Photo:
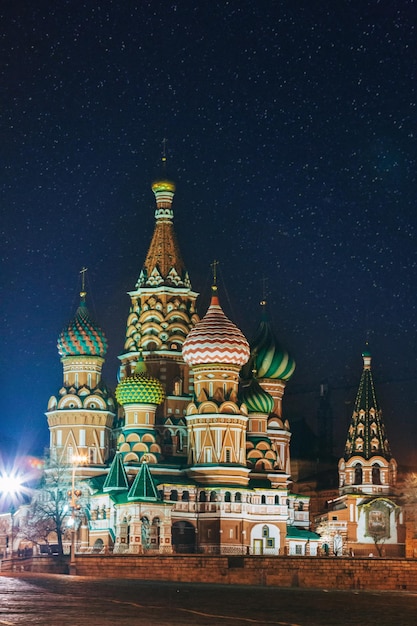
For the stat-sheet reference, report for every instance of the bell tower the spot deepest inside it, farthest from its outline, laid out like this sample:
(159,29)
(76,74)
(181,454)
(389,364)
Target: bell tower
(367,465)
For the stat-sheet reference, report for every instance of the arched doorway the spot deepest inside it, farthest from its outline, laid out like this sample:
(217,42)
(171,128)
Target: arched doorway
(98,545)
(183,537)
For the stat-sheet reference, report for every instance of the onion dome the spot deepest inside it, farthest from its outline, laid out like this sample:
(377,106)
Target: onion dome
(140,388)
(270,359)
(215,339)
(257,399)
(82,337)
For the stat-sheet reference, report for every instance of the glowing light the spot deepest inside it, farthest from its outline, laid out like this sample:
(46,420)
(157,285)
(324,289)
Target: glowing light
(10,484)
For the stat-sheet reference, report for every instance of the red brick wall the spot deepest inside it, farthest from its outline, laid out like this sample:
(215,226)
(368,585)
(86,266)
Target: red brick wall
(318,572)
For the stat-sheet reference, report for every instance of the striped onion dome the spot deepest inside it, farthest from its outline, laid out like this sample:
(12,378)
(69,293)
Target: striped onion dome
(257,399)
(82,336)
(270,359)
(215,339)
(140,388)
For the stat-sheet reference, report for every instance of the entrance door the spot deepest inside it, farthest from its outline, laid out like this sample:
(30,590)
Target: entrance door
(258,546)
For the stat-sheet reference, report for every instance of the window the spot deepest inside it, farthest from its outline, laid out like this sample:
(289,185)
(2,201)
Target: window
(238,497)
(265,531)
(298,549)
(270,543)
(202,497)
(263,499)
(173,495)
(376,474)
(228,455)
(358,474)
(207,455)
(301,506)
(227,497)
(177,386)
(213,496)
(185,496)
(276,500)
(82,437)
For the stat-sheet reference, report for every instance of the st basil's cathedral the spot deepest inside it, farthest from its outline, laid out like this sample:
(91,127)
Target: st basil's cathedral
(192,453)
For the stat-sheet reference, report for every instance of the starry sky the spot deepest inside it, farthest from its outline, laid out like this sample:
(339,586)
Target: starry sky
(291,129)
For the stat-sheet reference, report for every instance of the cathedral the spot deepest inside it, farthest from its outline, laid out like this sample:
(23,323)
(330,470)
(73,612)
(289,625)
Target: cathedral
(192,452)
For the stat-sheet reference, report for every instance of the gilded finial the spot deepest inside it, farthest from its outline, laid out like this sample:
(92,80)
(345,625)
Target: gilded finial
(214,269)
(164,150)
(83,292)
(264,282)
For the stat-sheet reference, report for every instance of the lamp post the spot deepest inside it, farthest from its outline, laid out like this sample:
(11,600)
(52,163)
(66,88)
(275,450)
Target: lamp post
(74,494)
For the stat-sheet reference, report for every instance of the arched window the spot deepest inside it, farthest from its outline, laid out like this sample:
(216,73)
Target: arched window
(177,385)
(301,506)
(276,500)
(227,497)
(263,499)
(376,474)
(358,474)
(238,497)
(185,496)
(202,497)
(213,496)
(174,495)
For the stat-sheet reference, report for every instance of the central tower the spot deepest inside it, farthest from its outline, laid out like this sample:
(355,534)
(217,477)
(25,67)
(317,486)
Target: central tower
(162,310)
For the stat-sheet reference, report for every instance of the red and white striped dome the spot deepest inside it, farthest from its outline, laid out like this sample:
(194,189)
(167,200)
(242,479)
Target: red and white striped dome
(215,339)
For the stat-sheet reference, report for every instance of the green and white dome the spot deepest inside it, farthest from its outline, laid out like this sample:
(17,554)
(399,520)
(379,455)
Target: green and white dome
(82,337)
(269,358)
(140,388)
(257,399)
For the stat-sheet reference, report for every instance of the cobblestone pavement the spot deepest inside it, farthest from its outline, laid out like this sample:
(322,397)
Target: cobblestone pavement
(49,600)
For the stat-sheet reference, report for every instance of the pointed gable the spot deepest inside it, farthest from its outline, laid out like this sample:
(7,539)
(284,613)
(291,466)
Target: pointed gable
(116,478)
(143,487)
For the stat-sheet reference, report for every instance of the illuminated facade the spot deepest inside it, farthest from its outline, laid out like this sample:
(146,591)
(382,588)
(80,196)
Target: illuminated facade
(195,455)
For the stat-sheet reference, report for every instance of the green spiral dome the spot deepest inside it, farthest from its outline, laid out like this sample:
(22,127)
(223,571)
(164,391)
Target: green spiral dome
(140,388)
(270,359)
(257,399)
(82,336)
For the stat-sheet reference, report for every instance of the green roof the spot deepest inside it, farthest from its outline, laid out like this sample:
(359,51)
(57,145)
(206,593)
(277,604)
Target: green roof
(116,478)
(300,533)
(143,487)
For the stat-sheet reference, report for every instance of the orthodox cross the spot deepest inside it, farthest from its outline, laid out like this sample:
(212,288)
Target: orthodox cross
(83,272)
(264,282)
(214,268)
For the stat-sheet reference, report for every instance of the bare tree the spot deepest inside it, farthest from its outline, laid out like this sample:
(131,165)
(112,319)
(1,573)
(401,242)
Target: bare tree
(49,512)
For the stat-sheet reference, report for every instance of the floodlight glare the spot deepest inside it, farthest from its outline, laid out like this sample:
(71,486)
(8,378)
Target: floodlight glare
(10,484)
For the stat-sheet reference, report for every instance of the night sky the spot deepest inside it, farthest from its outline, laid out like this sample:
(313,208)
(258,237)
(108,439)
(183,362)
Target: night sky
(291,130)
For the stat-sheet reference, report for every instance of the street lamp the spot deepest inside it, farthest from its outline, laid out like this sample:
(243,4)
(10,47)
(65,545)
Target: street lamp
(74,494)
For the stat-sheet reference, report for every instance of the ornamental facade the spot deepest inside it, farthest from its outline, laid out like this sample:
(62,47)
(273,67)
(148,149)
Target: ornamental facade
(192,454)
